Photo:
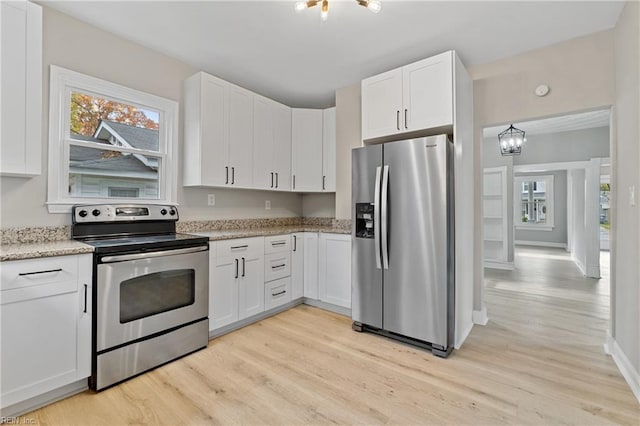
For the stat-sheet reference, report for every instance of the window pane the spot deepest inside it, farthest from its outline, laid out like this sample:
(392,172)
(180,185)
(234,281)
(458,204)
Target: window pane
(98,173)
(101,120)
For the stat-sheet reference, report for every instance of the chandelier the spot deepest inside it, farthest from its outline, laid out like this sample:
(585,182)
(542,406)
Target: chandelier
(511,141)
(372,5)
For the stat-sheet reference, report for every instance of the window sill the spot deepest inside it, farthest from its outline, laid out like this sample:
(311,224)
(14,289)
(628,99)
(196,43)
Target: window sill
(534,228)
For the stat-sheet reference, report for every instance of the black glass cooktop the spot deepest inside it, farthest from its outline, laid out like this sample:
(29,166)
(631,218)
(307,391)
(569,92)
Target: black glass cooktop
(144,242)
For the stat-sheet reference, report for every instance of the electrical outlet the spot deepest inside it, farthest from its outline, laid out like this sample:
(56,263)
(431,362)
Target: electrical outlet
(632,196)
(267,205)
(211,199)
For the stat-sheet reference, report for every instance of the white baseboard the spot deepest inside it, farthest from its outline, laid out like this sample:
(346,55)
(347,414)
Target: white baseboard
(626,368)
(580,265)
(496,264)
(540,244)
(464,336)
(480,317)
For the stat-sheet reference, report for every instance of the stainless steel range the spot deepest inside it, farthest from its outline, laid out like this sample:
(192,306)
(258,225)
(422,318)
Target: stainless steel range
(151,289)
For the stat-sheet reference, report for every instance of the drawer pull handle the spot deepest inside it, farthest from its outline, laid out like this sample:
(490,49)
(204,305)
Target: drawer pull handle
(86,289)
(278,243)
(49,271)
(239,247)
(244,267)
(278,266)
(236,268)
(278,293)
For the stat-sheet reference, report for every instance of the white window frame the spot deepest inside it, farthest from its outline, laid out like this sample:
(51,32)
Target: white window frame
(62,83)
(517,198)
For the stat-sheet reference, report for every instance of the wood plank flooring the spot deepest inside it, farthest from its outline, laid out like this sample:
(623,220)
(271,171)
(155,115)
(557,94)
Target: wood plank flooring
(538,361)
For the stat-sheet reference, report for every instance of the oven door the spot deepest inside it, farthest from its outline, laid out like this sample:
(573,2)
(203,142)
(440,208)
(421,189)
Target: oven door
(146,293)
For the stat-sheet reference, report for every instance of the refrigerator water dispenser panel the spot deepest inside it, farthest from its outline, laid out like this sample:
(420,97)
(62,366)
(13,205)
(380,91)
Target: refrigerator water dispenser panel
(364,220)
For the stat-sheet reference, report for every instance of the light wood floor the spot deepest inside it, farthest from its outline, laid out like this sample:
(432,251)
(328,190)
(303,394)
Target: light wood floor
(538,361)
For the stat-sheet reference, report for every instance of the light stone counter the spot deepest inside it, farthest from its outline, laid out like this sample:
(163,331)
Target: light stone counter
(20,251)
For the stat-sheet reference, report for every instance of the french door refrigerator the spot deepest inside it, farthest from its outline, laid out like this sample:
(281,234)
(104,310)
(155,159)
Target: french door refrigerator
(403,241)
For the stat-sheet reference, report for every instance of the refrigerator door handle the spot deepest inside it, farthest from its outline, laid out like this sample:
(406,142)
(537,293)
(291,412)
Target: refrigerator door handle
(383,222)
(376,217)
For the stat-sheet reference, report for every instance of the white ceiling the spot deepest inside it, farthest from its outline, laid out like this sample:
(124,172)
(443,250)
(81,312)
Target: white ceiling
(296,59)
(563,123)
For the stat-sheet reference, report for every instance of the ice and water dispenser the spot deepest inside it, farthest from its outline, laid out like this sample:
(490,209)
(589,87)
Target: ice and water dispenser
(364,220)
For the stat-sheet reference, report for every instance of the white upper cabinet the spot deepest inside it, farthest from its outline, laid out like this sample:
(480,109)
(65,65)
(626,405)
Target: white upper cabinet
(415,97)
(21,94)
(218,133)
(306,152)
(271,145)
(381,104)
(329,150)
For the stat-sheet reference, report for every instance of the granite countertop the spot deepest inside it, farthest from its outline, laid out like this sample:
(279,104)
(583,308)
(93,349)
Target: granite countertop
(227,234)
(20,251)
(16,250)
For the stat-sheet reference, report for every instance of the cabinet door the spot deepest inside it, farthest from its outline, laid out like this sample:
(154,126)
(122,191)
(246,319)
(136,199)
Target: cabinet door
(428,93)
(251,285)
(263,143)
(306,140)
(282,146)
(21,93)
(206,151)
(45,339)
(240,133)
(311,265)
(297,266)
(223,294)
(334,283)
(329,150)
(382,104)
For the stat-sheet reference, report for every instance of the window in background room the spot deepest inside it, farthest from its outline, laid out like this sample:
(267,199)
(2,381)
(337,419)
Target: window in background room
(109,143)
(534,210)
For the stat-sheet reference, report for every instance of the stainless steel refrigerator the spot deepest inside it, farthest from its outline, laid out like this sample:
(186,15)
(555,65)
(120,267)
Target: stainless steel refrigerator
(403,241)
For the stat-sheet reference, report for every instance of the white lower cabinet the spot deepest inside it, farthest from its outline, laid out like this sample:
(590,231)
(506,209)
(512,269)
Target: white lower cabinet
(45,339)
(311,265)
(334,269)
(236,286)
(297,265)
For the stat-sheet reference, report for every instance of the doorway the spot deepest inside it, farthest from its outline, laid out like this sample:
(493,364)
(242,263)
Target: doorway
(555,198)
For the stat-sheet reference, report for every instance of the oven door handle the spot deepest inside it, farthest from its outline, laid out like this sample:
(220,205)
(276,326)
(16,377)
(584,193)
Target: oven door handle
(137,256)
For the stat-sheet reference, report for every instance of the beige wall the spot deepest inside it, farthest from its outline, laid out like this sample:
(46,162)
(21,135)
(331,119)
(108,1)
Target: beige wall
(319,205)
(348,136)
(580,73)
(626,158)
(80,47)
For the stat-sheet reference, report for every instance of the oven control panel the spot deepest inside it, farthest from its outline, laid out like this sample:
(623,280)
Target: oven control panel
(123,213)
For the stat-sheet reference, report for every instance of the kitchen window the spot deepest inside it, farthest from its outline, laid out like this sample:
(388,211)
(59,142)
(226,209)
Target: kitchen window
(109,143)
(533,202)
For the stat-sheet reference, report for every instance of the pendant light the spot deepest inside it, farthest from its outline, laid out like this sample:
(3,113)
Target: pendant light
(372,5)
(511,141)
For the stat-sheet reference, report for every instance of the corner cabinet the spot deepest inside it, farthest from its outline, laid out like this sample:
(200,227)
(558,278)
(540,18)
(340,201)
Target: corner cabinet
(21,95)
(218,142)
(313,151)
(412,98)
(45,313)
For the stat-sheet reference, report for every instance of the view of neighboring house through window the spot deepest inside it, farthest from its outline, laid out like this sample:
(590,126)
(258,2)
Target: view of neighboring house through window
(109,143)
(535,209)
(98,167)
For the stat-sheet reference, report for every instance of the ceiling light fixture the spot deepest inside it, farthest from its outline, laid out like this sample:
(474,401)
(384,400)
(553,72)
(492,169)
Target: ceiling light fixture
(511,141)
(372,5)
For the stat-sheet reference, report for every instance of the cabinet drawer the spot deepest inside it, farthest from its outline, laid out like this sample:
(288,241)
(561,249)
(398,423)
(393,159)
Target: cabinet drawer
(276,266)
(19,274)
(238,246)
(277,293)
(277,244)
